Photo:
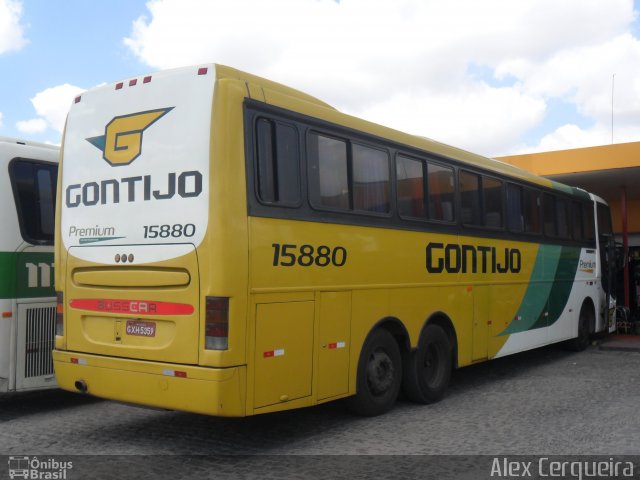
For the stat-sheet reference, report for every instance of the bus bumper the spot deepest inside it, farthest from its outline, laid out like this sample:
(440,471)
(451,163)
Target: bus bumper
(210,391)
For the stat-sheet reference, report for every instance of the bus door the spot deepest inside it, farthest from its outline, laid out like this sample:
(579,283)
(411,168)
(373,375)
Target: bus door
(606,243)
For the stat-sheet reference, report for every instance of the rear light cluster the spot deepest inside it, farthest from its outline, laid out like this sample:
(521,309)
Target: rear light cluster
(217,323)
(59,314)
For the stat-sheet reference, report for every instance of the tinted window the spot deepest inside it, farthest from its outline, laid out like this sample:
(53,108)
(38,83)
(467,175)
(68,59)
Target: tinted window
(589,223)
(562,218)
(532,223)
(492,201)
(34,186)
(370,179)
(549,212)
(278,163)
(577,218)
(604,220)
(330,162)
(515,208)
(470,198)
(410,187)
(441,192)
(523,210)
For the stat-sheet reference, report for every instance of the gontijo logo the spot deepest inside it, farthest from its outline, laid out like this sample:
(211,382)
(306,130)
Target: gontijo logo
(121,143)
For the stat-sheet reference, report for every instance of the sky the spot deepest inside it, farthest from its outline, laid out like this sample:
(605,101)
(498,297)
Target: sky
(496,77)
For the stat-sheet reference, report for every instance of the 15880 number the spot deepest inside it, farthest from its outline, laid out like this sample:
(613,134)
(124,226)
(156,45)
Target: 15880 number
(288,255)
(166,231)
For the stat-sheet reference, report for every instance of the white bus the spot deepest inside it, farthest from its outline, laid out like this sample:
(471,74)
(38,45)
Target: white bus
(27,299)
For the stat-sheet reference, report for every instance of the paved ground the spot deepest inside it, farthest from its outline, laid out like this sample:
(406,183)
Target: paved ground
(545,402)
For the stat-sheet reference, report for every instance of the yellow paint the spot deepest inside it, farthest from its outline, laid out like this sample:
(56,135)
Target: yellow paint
(204,390)
(283,352)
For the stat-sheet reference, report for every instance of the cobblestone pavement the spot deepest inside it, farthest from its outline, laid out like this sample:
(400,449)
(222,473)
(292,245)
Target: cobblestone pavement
(544,402)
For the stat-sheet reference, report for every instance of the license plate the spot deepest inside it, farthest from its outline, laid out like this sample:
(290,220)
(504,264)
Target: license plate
(141,329)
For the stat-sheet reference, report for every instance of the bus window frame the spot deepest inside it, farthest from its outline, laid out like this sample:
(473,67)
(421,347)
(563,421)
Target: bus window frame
(425,161)
(313,180)
(309,211)
(481,174)
(18,203)
(274,121)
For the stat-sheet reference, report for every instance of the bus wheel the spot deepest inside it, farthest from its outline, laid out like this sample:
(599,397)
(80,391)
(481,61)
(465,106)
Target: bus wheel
(379,375)
(427,369)
(582,340)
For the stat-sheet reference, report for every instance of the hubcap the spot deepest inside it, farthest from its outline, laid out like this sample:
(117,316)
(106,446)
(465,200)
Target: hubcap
(380,372)
(432,361)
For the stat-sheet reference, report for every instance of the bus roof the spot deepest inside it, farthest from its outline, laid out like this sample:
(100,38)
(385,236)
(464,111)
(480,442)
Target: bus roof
(329,113)
(282,96)
(28,143)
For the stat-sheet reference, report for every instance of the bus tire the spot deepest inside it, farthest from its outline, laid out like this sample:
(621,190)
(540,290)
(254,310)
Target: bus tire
(427,369)
(581,342)
(379,375)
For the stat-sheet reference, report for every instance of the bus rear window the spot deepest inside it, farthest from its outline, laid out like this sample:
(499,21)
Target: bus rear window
(278,163)
(34,186)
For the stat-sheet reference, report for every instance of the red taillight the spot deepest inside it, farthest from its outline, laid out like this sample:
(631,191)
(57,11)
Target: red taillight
(59,314)
(203,70)
(217,323)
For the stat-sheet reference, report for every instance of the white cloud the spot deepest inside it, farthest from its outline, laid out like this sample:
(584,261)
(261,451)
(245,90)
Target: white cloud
(11,31)
(407,63)
(52,106)
(36,125)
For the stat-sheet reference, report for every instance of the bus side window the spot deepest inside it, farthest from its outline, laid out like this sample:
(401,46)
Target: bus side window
(578,220)
(441,192)
(549,212)
(515,208)
(604,220)
(329,172)
(371,186)
(562,218)
(532,223)
(409,173)
(523,209)
(34,186)
(492,202)
(589,223)
(470,198)
(278,163)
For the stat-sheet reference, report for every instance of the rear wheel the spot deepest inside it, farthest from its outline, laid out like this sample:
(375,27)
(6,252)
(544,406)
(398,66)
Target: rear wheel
(584,326)
(379,375)
(427,369)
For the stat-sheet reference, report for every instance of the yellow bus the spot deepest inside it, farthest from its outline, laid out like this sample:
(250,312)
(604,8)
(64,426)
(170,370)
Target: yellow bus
(230,246)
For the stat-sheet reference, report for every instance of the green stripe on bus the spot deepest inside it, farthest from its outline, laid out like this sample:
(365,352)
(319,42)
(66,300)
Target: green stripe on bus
(562,284)
(535,298)
(543,295)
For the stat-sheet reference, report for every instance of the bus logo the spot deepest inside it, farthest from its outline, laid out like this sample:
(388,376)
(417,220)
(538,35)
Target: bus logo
(121,143)
(18,467)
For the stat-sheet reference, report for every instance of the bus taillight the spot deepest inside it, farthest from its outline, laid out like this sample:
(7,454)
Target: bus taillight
(59,314)
(217,323)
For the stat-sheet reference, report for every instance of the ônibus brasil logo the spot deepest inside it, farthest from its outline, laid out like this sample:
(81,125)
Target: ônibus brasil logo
(34,468)
(121,143)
